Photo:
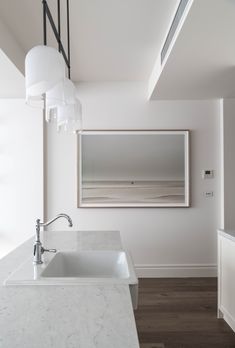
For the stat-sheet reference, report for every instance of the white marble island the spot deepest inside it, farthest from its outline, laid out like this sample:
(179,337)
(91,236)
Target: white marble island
(81,316)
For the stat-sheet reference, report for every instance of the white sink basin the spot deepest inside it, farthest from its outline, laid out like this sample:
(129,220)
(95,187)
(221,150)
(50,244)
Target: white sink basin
(88,264)
(84,267)
(76,267)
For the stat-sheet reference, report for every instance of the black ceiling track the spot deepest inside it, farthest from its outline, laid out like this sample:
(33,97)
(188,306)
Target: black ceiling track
(57,31)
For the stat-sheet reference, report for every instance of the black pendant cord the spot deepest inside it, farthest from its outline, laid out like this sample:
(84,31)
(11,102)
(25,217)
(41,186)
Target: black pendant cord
(57,33)
(44,23)
(68,37)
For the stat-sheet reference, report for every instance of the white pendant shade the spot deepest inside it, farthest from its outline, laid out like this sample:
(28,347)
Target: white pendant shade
(44,68)
(69,117)
(47,87)
(35,101)
(64,93)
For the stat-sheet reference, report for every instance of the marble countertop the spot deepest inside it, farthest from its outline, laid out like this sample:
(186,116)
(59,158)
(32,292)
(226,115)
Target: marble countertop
(85,316)
(230,234)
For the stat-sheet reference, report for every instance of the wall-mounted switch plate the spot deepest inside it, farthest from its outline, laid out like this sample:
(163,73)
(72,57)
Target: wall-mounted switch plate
(208,194)
(208,174)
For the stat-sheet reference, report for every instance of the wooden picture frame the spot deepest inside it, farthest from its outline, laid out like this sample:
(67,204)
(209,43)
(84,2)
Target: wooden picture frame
(133,168)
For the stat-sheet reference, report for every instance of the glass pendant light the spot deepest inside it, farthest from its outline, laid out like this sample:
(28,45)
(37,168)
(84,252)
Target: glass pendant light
(62,94)
(44,68)
(69,117)
(46,82)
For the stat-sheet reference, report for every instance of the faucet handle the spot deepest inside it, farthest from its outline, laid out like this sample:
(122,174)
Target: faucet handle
(49,250)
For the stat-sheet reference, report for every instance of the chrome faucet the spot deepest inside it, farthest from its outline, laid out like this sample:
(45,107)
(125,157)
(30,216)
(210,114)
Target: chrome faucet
(38,248)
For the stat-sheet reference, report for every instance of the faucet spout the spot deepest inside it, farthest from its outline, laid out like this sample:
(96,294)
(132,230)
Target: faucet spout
(67,217)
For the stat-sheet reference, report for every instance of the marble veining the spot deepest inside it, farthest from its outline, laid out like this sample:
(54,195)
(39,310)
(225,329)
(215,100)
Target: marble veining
(82,240)
(86,316)
(230,234)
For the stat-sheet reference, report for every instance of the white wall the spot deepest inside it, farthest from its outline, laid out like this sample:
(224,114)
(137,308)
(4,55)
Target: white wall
(21,176)
(167,242)
(12,82)
(229,163)
(11,47)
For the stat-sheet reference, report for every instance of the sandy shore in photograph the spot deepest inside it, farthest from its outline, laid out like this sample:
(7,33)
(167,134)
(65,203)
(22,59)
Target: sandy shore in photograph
(133,192)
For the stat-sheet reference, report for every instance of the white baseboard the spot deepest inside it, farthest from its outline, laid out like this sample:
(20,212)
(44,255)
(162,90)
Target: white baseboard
(176,271)
(230,320)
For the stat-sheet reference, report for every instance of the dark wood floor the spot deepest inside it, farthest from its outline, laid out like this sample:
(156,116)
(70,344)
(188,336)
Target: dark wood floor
(181,313)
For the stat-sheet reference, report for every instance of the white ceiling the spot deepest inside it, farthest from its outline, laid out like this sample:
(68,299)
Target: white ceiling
(110,39)
(201,64)
(119,40)
(12,82)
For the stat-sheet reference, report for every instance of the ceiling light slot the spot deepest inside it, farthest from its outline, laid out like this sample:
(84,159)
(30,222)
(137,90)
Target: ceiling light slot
(178,15)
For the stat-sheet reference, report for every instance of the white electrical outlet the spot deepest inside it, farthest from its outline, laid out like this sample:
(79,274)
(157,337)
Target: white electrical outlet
(208,174)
